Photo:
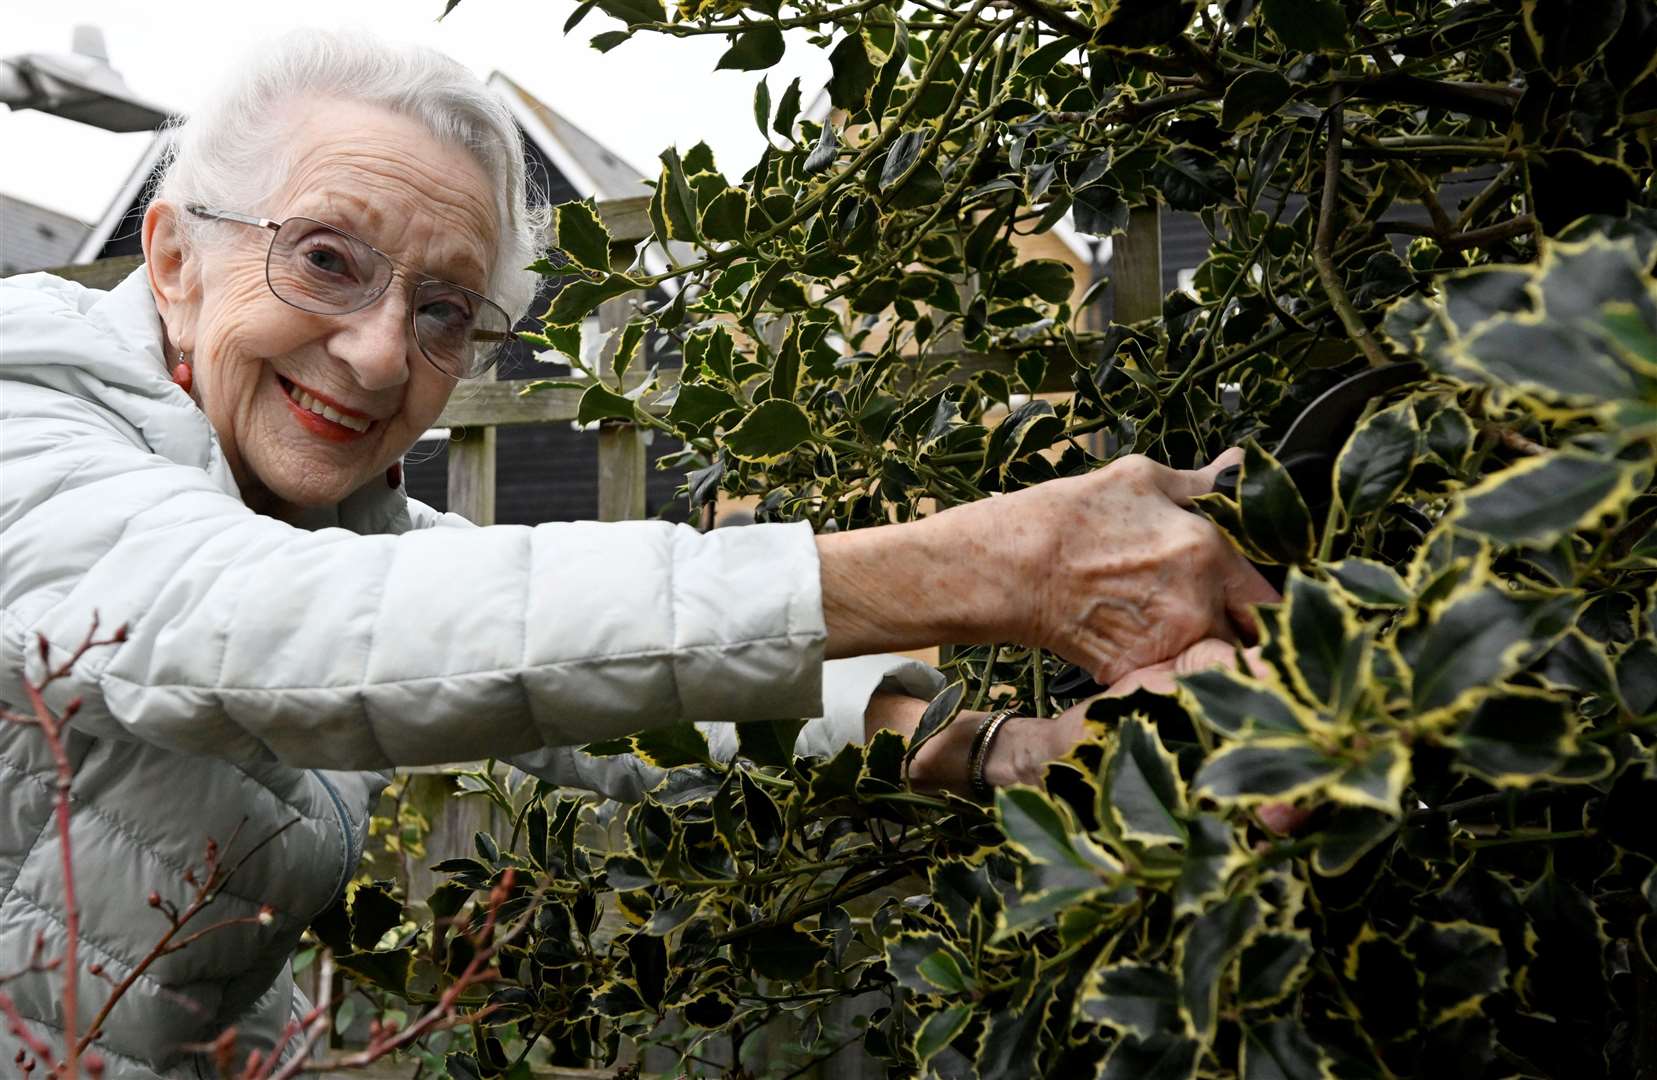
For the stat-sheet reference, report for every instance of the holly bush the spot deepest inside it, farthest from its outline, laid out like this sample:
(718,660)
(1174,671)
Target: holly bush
(1459,687)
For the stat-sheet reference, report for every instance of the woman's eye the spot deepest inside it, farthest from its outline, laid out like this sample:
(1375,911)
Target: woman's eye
(446,314)
(328,261)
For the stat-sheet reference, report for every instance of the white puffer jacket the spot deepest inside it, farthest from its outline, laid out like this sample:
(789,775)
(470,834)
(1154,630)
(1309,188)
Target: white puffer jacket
(266,663)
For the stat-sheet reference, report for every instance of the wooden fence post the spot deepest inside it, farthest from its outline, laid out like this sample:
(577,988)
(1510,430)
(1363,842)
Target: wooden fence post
(1136,266)
(472,473)
(621,456)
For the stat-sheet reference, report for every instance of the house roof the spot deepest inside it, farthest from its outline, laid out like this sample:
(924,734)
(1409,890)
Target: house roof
(591,167)
(35,238)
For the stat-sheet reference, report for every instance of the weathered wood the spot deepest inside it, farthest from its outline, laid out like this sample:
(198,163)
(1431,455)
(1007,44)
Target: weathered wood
(104,274)
(1136,266)
(627,219)
(472,473)
(621,473)
(511,402)
(621,457)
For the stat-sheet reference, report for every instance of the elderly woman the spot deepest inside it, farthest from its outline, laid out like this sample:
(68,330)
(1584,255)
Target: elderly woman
(205,454)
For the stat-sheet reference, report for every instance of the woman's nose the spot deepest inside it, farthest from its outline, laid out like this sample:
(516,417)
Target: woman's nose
(374,342)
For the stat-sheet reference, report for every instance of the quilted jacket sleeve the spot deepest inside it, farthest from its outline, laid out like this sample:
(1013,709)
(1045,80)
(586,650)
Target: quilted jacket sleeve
(248,638)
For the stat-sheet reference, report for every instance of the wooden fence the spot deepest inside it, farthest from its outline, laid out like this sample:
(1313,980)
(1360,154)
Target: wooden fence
(478,410)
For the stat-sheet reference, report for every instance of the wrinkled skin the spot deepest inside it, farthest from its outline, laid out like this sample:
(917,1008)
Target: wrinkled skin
(1109,570)
(378,176)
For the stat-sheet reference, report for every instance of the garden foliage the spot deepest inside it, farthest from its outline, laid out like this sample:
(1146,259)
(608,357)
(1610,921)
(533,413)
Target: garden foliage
(1460,684)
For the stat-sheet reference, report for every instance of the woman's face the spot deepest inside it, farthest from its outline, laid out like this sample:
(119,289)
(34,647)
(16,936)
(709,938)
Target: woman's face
(258,363)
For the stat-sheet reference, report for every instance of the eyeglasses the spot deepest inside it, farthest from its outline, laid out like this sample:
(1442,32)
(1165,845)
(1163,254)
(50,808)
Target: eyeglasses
(318,268)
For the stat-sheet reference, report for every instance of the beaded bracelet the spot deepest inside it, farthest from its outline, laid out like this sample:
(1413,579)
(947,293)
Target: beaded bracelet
(980,752)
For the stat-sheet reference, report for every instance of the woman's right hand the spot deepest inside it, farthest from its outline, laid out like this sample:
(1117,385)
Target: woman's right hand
(1112,571)
(1108,570)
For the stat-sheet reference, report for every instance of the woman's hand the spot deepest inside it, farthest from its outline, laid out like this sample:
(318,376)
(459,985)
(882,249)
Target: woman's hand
(1108,570)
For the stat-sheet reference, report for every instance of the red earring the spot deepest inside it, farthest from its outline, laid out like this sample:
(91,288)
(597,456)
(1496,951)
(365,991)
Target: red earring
(182,374)
(394,476)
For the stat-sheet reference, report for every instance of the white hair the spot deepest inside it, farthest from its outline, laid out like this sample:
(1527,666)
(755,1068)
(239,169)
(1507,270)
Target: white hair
(233,152)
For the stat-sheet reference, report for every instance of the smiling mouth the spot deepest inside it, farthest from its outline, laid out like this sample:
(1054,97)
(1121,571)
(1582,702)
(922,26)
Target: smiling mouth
(324,418)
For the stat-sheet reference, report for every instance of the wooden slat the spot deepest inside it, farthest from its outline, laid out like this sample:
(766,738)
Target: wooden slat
(621,473)
(104,274)
(627,219)
(472,473)
(1136,266)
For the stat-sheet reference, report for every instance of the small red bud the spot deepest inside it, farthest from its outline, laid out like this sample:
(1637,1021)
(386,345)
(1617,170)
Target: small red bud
(190,875)
(19,1058)
(120,633)
(267,915)
(154,899)
(95,969)
(94,1064)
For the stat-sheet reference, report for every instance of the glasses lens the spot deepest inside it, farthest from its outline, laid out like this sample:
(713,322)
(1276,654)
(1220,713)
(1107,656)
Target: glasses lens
(459,330)
(318,268)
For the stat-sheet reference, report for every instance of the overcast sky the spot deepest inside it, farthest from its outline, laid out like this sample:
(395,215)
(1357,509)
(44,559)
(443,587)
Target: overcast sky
(637,99)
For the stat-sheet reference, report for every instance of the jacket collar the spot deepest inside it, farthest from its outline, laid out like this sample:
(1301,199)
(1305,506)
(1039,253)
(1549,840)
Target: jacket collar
(177,429)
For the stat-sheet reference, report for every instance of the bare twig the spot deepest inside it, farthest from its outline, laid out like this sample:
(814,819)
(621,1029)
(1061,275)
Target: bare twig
(1321,253)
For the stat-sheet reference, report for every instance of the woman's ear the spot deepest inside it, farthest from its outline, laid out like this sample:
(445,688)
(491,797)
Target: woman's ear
(174,274)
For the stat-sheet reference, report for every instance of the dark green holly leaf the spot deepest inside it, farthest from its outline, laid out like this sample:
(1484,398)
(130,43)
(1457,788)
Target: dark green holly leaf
(1192,179)
(1323,647)
(1637,678)
(1099,210)
(624,873)
(1235,704)
(1140,24)
(578,299)
(582,236)
(1043,832)
(1205,953)
(1281,1050)
(1568,33)
(633,12)
(939,712)
(768,742)
(683,786)
(1376,780)
(1146,796)
(599,402)
(1377,460)
(673,745)
(1271,966)
(837,778)
(1462,964)
(675,201)
(1541,498)
(1274,516)
(938,1030)
(1271,769)
(1475,640)
(853,74)
(1165,1057)
(1350,834)
(788,109)
(1252,96)
(1013,1037)
(697,406)
(1134,999)
(1370,583)
(1049,279)
(771,430)
(783,952)
(726,217)
(1578,664)
(1211,856)
(927,964)
(1514,737)
(901,155)
(753,50)
(1306,25)
(822,155)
